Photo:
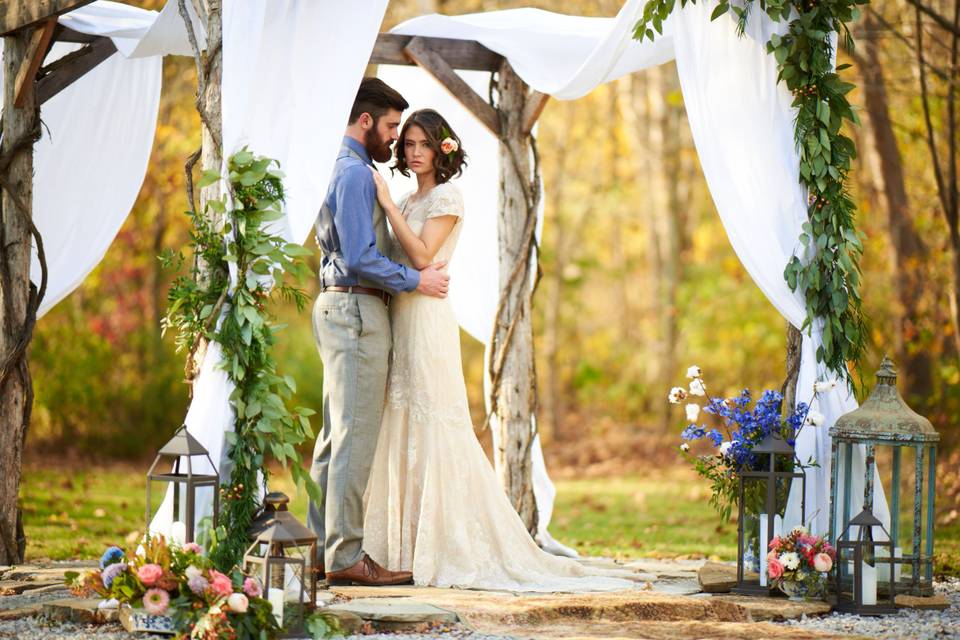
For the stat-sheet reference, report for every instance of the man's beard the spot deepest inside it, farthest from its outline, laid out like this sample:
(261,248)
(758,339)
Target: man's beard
(378,149)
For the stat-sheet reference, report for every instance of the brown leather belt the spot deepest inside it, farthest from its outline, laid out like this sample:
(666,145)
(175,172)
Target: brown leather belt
(367,291)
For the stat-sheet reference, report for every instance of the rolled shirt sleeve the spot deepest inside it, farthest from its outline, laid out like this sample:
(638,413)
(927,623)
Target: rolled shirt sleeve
(355,197)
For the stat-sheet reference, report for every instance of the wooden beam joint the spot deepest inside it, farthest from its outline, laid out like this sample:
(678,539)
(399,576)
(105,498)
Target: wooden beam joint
(19,14)
(27,75)
(418,50)
(61,73)
(535,103)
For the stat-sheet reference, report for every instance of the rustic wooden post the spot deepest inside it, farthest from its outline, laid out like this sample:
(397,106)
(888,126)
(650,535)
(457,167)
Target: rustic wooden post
(16,300)
(512,363)
(789,389)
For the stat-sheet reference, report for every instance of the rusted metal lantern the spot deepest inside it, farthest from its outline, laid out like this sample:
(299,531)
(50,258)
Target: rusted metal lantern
(858,563)
(885,420)
(764,487)
(184,485)
(283,561)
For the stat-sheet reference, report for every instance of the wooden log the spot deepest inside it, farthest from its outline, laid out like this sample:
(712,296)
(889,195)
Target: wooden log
(63,72)
(536,102)
(467,55)
(515,388)
(39,46)
(16,392)
(419,51)
(18,14)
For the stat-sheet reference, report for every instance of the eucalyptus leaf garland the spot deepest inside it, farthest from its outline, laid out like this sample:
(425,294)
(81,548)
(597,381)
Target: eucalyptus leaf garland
(827,270)
(237,318)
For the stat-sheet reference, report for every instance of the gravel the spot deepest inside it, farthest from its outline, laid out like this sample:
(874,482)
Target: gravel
(906,624)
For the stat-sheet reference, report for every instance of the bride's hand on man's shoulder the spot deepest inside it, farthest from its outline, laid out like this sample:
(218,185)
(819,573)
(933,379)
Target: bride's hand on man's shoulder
(383,191)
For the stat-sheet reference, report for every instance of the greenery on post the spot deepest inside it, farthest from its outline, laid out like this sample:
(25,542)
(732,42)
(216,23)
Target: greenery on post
(235,315)
(828,272)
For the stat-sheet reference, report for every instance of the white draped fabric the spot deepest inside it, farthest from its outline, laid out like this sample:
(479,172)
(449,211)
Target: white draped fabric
(289,77)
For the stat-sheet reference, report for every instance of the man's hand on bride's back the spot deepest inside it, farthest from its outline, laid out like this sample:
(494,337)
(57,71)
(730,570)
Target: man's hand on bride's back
(433,281)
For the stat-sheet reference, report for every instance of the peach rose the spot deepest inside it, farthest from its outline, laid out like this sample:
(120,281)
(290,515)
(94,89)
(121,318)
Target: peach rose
(448,145)
(822,562)
(220,584)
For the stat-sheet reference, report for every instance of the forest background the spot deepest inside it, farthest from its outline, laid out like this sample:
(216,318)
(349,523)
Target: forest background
(639,280)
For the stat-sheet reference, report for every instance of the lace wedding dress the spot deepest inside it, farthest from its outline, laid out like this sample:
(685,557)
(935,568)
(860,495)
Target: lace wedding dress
(434,505)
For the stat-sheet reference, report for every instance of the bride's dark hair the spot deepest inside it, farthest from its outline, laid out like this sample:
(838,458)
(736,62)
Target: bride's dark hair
(436,128)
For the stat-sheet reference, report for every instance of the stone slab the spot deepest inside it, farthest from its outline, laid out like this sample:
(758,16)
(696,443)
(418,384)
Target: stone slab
(937,602)
(670,630)
(776,609)
(679,587)
(395,610)
(716,577)
(12,587)
(21,612)
(350,624)
(80,610)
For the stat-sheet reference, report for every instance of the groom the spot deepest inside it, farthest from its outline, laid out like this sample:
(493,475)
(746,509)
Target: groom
(351,324)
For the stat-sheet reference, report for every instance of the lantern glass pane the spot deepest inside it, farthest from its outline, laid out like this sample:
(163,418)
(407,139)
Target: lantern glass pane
(753,510)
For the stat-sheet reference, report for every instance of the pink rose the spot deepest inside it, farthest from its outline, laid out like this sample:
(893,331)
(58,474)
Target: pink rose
(193,547)
(252,588)
(822,562)
(149,574)
(774,569)
(771,556)
(774,544)
(220,584)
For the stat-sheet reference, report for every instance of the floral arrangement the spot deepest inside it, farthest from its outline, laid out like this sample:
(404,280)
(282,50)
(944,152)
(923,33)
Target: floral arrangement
(165,579)
(741,424)
(799,562)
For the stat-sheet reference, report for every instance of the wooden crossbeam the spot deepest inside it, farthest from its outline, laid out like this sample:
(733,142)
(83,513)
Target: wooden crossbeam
(467,55)
(36,52)
(536,101)
(420,52)
(17,14)
(63,72)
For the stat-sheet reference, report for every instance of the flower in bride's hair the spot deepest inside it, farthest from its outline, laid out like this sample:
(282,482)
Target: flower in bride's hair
(448,145)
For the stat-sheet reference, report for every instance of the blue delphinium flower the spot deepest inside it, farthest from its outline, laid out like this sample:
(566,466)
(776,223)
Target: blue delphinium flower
(111,555)
(693,432)
(716,437)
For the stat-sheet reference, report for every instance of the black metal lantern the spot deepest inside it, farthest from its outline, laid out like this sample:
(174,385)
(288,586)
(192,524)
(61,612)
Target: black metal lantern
(885,423)
(284,561)
(762,501)
(858,561)
(183,446)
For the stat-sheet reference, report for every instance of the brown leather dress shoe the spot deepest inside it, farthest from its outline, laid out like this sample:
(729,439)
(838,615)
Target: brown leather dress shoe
(368,573)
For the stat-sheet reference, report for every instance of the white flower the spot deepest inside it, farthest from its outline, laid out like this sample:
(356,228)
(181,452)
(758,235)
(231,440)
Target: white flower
(684,447)
(815,419)
(238,602)
(677,394)
(725,447)
(697,388)
(790,560)
(448,145)
(693,412)
(192,572)
(822,386)
(694,372)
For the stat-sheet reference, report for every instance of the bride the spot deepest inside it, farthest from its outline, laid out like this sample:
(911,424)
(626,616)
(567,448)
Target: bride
(433,503)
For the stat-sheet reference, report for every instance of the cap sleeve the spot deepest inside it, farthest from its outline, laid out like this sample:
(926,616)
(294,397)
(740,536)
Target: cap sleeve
(445,200)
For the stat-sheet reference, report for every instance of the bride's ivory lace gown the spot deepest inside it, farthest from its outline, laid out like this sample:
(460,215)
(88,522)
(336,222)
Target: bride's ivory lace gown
(434,505)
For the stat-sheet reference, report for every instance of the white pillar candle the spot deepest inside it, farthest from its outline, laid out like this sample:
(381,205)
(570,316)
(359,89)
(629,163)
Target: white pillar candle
(764,543)
(275,598)
(869,583)
(178,533)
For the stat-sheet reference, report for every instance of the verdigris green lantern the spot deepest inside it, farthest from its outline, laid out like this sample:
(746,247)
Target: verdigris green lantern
(885,421)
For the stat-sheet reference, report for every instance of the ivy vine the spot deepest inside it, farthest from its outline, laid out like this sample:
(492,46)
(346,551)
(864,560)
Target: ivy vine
(236,316)
(828,273)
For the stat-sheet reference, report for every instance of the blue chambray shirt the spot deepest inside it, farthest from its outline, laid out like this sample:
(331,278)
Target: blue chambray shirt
(345,231)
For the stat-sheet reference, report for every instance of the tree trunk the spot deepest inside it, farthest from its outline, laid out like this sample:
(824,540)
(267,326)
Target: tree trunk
(908,251)
(15,240)
(515,390)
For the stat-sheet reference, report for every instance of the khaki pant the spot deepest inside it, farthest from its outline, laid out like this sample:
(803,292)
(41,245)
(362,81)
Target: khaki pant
(353,336)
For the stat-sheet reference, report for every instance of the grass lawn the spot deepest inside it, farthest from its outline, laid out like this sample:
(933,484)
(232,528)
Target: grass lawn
(78,513)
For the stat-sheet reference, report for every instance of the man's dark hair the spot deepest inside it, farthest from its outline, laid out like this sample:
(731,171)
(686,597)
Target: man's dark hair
(376,97)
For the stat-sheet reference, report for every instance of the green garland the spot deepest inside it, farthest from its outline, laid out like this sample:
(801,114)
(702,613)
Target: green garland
(264,425)
(829,275)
